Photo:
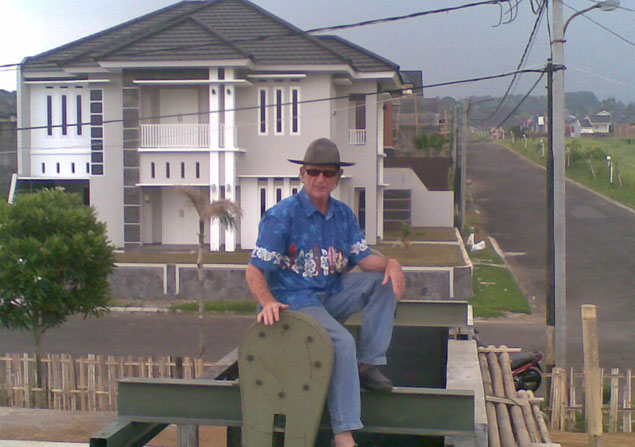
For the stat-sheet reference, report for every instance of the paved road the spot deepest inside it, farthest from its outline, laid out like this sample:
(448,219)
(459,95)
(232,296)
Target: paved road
(510,193)
(120,333)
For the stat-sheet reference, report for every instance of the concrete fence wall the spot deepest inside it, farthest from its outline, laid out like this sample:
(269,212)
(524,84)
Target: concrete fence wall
(180,281)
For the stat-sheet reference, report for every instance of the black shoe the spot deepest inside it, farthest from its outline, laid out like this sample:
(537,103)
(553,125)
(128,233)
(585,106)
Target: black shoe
(371,378)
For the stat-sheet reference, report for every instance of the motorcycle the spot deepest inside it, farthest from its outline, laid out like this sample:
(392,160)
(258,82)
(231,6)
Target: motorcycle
(526,370)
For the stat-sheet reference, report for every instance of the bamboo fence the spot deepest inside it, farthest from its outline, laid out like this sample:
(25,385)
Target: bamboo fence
(85,383)
(567,400)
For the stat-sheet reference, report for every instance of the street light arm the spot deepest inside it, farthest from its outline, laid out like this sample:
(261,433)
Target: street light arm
(564,31)
(607,5)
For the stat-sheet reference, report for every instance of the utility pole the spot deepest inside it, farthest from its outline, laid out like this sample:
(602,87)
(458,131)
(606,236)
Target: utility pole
(550,313)
(559,217)
(463,167)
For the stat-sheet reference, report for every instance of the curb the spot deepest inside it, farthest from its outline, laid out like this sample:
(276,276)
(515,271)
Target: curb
(137,309)
(41,444)
(602,196)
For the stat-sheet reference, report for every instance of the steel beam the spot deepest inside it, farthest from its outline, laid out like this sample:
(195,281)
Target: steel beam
(126,433)
(416,411)
(425,313)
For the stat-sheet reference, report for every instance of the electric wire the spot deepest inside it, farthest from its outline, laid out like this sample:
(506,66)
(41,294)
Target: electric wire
(509,115)
(307,101)
(528,46)
(602,26)
(309,31)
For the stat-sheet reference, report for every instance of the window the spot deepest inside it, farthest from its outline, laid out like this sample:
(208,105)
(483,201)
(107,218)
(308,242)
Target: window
(262,111)
(73,168)
(152,170)
(43,168)
(64,116)
(182,170)
(294,191)
(295,111)
(167,170)
(263,201)
(279,95)
(357,105)
(78,111)
(278,194)
(49,115)
(57,167)
(198,170)
(96,130)
(87,168)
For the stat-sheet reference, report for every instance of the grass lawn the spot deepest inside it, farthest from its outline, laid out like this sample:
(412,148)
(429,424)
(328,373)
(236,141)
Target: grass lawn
(495,289)
(587,164)
(496,292)
(431,234)
(248,307)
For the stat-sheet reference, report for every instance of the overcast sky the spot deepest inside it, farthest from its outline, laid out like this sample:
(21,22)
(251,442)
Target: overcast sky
(446,47)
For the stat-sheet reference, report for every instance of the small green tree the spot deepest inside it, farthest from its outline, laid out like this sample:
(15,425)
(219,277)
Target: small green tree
(430,144)
(54,262)
(227,213)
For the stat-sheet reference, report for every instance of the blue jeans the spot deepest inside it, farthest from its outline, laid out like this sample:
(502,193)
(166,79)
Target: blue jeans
(359,291)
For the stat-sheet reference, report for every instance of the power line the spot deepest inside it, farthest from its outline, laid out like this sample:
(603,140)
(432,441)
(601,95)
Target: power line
(523,99)
(602,26)
(312,31)
(529,44)
(307,101)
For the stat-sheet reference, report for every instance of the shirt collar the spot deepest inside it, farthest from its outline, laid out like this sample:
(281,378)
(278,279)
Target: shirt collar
(309,207)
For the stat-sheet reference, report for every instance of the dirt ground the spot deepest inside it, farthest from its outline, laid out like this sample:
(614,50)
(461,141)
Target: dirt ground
(76,426)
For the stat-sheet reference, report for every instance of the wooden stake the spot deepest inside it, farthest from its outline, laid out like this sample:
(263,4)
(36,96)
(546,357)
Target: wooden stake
(592,378)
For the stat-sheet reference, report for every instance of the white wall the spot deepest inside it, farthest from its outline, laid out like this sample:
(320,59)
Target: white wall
(429,208)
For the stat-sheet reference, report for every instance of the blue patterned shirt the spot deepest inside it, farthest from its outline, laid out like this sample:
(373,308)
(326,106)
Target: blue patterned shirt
(303,252)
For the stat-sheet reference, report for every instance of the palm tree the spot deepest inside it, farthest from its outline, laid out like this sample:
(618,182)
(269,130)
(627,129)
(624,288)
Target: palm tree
(227,213)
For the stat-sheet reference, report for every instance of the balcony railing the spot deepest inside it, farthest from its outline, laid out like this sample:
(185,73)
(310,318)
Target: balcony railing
(175,135)
(357,137)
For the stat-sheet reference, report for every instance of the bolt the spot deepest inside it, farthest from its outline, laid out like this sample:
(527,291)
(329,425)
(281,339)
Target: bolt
(285,327)
(318,364)
(281,395)
(306,387)
(250,358)
(309,339)
(261,335)
(258,382)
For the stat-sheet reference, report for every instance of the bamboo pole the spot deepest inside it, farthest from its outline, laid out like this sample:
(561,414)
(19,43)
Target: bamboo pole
(627,416)
(530,423)
(73,383)
(522,433)
(614,399)
(492,424)
(592,378)
(502,415)
(540,420)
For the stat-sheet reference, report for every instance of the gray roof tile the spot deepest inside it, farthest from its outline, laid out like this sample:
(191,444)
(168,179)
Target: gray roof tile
(209,29)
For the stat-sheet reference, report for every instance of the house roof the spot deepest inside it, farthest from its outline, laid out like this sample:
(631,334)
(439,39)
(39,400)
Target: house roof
(601,118)
(207,30)
(414,77)
(585,122)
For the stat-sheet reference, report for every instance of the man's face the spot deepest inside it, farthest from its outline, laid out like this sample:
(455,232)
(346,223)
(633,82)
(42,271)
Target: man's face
(320,180)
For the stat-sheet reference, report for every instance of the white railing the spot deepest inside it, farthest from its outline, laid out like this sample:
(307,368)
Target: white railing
(357,137)
(175,135)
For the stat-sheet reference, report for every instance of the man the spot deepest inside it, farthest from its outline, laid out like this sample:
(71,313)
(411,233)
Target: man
(305,244)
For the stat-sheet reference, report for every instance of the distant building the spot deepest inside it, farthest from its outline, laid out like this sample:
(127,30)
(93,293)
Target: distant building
(573,127)
(601,123)
(586,128)
(625,127)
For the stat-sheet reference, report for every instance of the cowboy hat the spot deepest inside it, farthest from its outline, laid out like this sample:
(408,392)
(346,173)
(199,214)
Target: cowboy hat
(322,152)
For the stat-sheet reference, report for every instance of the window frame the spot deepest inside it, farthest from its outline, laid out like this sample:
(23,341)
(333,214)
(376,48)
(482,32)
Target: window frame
(295,104)
(262,112)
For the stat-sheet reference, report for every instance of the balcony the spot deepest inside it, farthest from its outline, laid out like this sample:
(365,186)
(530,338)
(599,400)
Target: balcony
(186,136)
(357,137)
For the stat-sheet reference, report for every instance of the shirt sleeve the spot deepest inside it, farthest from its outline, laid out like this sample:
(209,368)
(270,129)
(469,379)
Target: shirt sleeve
(359,249)
(271,244)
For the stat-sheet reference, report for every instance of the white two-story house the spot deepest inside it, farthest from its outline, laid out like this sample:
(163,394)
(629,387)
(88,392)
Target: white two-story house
(215,94)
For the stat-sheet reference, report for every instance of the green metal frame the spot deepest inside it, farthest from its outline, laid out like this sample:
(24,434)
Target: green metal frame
(146,406)
(147,403)
(425,313)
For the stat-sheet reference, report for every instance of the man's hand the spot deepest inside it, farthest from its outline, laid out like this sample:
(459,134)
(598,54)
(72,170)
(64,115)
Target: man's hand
(270,313)
(395,274)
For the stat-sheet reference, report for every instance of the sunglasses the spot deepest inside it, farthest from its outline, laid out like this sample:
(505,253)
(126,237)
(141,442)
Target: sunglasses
(327,173)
